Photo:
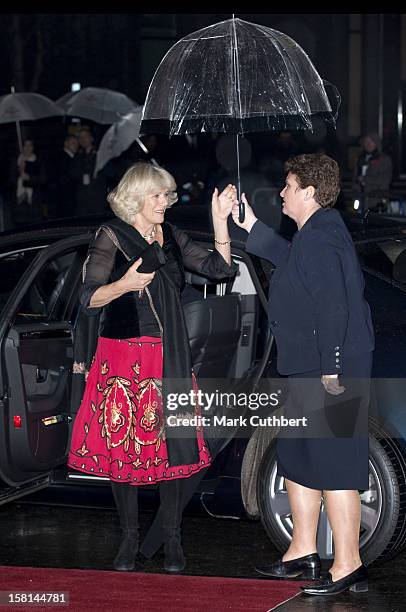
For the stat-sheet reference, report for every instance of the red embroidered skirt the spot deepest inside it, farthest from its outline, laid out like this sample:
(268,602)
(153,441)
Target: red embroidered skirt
(119,428)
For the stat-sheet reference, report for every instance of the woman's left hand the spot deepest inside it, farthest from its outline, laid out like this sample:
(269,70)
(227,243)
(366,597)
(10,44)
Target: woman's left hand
(331,384)
(221,204)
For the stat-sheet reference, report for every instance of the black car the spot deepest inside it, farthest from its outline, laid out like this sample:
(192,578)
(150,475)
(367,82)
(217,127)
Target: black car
(40,274)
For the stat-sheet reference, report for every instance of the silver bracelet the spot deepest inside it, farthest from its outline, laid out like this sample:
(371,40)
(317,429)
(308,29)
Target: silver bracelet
(222,243)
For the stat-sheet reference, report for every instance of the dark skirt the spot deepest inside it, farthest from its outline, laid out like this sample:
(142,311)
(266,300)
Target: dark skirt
(119,430)
(331,452)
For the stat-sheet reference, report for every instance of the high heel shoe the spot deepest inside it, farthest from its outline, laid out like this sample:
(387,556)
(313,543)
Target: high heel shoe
(357,582)
(307,567)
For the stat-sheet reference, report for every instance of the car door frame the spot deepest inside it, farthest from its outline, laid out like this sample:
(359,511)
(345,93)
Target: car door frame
(14,482)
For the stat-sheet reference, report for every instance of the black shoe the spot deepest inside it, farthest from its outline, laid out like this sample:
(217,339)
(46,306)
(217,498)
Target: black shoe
(307,567)
(125,559)
(174,558)
(357,581)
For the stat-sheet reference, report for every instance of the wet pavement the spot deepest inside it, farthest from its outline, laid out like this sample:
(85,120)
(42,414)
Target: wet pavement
(46,535)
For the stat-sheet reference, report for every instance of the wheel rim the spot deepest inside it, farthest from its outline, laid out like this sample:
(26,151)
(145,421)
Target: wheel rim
(371,511)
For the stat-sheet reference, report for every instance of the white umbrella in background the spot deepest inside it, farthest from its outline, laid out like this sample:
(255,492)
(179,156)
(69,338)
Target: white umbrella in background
(97,104)
(63,100)
(119,137)
(26,106)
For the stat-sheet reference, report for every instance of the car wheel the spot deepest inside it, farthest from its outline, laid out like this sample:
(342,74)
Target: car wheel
(383,516)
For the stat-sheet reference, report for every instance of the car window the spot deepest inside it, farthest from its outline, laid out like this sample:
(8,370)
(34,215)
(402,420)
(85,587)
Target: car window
(12,267)
(50,291)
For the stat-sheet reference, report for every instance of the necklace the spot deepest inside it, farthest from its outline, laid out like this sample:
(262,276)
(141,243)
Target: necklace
(150,235)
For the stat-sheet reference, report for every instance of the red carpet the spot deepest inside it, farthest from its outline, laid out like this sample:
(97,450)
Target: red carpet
(109,591)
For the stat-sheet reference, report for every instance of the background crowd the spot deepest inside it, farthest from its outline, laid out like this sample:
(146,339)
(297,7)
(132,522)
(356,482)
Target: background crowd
(54,181)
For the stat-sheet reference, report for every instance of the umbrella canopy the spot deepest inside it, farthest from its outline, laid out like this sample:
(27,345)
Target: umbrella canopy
(97,104)
(27,106)
(119,137)
(234,77)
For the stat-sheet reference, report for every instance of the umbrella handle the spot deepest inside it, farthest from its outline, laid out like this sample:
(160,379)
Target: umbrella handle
(241,211)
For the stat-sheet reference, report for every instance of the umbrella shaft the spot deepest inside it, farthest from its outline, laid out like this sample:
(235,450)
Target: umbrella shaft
(20,140)
(241,207)
(238,168)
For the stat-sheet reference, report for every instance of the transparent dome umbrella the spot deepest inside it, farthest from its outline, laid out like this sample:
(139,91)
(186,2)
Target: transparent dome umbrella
(119,137)
(235,77)
(26,106)
(97,104)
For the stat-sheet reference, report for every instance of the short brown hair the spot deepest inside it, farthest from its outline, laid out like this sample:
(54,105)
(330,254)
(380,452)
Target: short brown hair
(319,171)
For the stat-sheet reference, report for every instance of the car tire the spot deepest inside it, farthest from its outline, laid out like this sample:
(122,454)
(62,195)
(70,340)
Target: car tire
(383,529)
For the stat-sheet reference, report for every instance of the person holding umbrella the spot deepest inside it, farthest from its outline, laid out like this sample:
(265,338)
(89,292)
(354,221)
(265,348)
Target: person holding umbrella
(143,356)
(30,184)
(323,331)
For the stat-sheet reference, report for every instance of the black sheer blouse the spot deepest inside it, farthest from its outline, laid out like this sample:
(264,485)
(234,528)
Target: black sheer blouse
(180,251)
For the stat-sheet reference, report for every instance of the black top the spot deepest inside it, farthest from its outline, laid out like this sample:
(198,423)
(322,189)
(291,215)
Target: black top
(97,272)
(316,308)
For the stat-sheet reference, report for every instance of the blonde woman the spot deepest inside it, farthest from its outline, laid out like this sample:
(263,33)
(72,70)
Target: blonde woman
(143,354)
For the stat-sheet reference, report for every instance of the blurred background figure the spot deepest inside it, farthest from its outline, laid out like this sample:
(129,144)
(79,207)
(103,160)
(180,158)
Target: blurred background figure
(189,158)
(30,180)
(372,173)
(91,191)
(256,186)
(284,148)
(62,188)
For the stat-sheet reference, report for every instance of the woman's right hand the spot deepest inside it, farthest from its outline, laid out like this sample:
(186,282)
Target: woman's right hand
(134,280)
(250,217)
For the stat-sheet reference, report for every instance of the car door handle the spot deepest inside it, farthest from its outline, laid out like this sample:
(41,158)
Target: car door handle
(41,375)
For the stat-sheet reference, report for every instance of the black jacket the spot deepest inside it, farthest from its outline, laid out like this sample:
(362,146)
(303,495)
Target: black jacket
(317,309)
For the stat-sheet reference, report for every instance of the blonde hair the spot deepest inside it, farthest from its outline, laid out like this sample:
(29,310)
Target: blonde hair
(141,179)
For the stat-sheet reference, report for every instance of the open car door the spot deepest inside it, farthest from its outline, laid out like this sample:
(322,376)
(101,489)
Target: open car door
(229,334)
(36,349)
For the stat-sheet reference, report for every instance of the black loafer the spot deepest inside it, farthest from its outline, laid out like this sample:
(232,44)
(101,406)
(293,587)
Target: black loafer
(357,581)
(307,567)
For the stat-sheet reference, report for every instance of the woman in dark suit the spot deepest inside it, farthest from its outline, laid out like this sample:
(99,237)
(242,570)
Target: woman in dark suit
(323,330)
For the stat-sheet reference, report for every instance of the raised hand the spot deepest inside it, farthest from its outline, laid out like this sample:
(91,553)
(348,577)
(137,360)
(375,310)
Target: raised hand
(221,204)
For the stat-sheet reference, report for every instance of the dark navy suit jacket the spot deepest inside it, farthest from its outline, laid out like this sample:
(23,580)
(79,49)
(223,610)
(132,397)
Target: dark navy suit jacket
(317,310)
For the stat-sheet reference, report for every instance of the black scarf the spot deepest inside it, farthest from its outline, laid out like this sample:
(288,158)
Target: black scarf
(177,362)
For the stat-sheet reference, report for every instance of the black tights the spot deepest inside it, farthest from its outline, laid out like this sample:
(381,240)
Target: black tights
(170,493)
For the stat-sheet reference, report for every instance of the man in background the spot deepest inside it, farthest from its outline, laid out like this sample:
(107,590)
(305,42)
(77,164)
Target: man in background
(91,191)
(372,173)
